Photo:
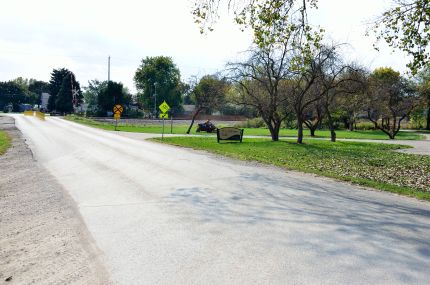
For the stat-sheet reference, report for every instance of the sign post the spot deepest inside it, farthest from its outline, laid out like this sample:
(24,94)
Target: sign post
(164,107)
(117,110)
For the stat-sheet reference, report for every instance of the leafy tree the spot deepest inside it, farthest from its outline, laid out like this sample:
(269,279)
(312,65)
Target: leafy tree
(424,91)
(270,20)
(406,27)
(91,94)
(23,82)
(161,76)
(38,87)
(56,83)
(15,94)
(208,94)
(111,93)
(273,23)
(391,99)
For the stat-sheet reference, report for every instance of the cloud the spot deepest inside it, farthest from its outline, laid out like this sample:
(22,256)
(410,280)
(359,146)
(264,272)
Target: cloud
(37,36)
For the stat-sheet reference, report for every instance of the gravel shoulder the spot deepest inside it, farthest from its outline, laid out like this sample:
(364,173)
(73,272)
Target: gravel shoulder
(43,239)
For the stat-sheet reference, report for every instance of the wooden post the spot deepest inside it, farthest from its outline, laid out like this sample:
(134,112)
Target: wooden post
(162,134)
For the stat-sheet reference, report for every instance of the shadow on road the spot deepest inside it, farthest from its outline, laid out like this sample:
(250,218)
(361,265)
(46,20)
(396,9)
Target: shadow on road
(333,223)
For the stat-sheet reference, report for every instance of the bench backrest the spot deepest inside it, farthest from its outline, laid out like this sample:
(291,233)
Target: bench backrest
(229,133)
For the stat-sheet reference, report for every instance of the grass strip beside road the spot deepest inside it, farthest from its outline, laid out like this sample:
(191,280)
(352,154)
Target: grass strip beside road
(369,164)
(181,129)
(4,142)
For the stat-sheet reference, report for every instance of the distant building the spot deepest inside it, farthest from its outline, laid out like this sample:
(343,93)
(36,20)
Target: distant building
(44,101)
(189,109)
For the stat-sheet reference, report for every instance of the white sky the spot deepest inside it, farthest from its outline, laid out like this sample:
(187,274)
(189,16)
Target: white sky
(37,36)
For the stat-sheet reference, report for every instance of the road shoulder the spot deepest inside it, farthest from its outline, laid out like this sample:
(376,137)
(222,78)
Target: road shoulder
(43,239)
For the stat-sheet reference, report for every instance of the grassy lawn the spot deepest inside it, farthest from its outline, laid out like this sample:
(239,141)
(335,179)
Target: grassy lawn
(369,164)
(4,142)
(340,134)
(181,129)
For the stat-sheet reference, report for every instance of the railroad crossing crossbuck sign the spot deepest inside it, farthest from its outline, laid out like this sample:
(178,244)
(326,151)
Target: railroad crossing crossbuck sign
(164,107)
(117,109)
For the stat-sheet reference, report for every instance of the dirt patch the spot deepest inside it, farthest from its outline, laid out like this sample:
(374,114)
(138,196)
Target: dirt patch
(43,239)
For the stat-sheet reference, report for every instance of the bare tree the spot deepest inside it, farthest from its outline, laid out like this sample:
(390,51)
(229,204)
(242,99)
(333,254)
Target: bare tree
(342,80)
(352,101)
(262,83)
(313,116)
(316,81)
(391,99)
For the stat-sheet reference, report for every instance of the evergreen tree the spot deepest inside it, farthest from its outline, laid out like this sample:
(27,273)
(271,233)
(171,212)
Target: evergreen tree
(58,82)
(64,98)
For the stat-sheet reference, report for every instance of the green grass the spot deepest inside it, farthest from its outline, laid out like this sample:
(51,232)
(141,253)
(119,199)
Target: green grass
(368,164)
(340,134)
(4,142)
(181,129)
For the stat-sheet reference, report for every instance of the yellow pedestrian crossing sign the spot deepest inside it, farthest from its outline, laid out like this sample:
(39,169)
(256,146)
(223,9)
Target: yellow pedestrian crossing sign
(164,107)
(164,116)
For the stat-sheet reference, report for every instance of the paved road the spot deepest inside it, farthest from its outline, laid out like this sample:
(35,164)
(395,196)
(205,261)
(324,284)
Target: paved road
(165,215)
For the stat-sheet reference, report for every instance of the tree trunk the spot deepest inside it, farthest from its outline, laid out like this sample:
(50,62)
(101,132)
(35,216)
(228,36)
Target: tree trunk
(331,127)
(428,118)
(346,123)
(299,131)
(351,125)
(193,119)
(274,131)
(274,134)
(312,128)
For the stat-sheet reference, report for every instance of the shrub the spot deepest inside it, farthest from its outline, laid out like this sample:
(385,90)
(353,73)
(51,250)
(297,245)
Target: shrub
(364,126)
(252,123)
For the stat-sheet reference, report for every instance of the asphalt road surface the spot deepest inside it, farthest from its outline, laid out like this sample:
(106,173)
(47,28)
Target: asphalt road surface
(166,215)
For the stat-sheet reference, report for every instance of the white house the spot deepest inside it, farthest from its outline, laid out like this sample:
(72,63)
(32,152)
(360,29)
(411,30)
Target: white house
(44,101)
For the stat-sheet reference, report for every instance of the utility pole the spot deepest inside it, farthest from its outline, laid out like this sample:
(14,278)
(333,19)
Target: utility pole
(155,99)
(108,68)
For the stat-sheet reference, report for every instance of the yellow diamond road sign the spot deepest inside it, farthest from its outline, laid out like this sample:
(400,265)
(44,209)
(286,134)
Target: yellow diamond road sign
(164,107)
(164,116)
